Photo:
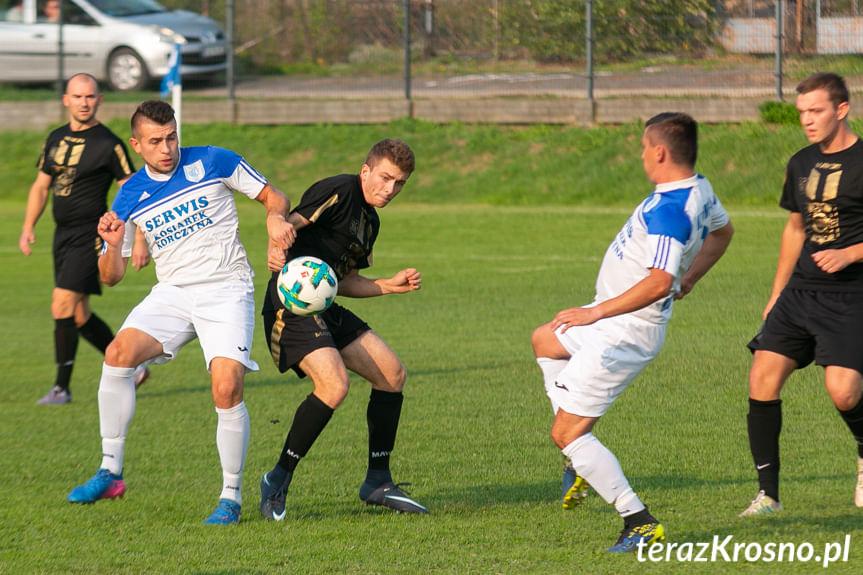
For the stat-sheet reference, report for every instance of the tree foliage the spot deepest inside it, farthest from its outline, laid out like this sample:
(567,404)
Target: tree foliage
(555,30)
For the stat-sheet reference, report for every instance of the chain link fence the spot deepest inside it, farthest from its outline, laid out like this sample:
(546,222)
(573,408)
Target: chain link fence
(385,49)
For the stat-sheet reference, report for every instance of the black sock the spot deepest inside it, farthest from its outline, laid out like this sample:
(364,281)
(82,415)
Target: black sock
(96,332)
(764,423)
(65,347)
(642,517)
(310,419)
(382,416)
(854,420)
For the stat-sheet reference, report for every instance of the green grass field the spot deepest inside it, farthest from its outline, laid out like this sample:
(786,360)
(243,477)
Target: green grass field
(474,435)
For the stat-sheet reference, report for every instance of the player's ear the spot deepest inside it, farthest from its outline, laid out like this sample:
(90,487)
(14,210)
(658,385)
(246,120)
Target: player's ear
(136,145)
(842,110)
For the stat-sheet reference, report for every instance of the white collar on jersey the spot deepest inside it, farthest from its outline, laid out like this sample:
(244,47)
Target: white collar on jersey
(163,177)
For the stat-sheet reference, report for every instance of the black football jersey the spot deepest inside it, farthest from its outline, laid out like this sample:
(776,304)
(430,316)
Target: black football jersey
(827,190)
(343,226)
(82,166)
(342,229)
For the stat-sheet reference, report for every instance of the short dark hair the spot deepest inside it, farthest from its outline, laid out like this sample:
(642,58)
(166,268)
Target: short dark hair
(832,83)
(157,111)
(394,150)
(679,133)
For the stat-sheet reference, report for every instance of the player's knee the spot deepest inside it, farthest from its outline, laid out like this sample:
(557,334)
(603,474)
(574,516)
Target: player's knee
(397,380)
(333,391)
(119,353)
(845,400)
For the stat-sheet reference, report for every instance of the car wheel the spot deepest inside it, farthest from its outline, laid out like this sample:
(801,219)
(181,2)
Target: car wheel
(126,71)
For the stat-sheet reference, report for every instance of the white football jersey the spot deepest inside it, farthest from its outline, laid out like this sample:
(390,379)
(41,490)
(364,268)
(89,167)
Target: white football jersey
(665,232)
(189,217)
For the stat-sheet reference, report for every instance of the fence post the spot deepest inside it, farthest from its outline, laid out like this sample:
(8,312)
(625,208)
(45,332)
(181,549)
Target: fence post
(407,16)
(588,34)
(779,50)
(230,72)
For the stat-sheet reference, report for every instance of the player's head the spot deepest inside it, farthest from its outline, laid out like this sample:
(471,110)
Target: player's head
(82,99)
(822,102)
(154,136)
(388,165)
(669,142)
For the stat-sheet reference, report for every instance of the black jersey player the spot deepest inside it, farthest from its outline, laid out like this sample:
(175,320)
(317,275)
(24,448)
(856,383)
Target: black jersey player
(815,310)
(336,221)
(78,164)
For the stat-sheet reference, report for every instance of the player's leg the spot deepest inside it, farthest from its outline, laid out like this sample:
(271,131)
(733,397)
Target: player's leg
(371,358)
(63,304)
(605,359)
(846,391)
(599,467)
(784,343)
(155,329)
(327,371)
(232,436)
(767,375)
(224,321)
(552,357)
(306,345)
(116,400)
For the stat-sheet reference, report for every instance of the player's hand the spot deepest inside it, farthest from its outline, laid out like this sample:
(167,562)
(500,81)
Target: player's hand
(25,241)
(832,261)
(111,229)
(282,233)
(140,256)
(575,316)
(406,280)
(276,258)
(685,287)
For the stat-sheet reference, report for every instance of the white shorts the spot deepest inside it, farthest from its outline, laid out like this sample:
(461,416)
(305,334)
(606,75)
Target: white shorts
(221,316)
(605,358)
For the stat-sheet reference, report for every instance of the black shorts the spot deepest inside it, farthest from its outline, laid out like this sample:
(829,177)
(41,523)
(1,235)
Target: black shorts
(76,257)
(291,337)
(806,325)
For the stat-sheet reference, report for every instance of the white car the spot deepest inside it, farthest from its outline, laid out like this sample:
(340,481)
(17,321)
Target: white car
(125,43)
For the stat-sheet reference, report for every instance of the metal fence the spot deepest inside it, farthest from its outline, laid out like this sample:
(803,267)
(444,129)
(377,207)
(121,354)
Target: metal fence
(417,49)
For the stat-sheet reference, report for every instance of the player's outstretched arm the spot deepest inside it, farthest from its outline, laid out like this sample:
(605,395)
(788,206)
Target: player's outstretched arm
(355,285)
(112,264)
(36,201)
(711,250)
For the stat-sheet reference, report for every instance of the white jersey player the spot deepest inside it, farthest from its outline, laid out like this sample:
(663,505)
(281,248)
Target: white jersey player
(589,355)
(183,201)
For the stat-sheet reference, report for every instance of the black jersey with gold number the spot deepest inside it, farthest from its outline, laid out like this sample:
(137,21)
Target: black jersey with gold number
(827,191)
(82,166)
(342,229)
(343,226)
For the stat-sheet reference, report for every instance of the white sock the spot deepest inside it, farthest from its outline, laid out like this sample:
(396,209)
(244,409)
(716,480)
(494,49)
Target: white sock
(551,368)
(116,409)
(232,440)
(600,468)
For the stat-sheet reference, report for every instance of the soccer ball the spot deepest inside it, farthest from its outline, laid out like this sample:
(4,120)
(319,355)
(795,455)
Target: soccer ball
(307,286)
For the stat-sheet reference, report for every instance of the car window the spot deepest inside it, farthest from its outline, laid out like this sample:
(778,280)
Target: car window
(120,8)
(11,11)
(49,11)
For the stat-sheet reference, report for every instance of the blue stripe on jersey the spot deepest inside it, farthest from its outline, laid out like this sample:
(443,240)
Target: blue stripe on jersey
(665,214)
(253,172)
(217,163)
(660,259)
